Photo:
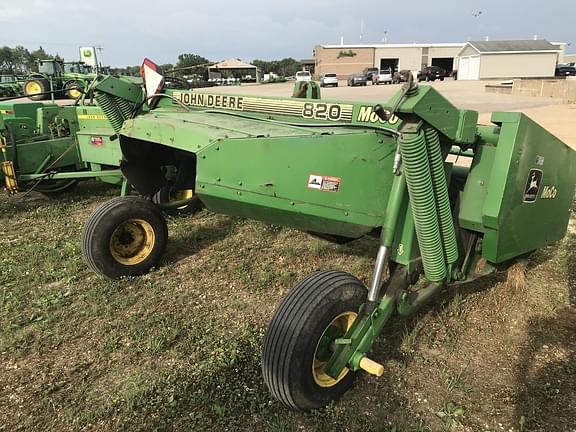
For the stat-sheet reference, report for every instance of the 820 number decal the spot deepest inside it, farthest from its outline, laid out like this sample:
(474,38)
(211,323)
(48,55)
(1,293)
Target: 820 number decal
(322,111)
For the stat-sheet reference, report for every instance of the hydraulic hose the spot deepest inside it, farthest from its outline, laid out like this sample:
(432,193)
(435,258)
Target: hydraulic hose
(419,183)
(441,195)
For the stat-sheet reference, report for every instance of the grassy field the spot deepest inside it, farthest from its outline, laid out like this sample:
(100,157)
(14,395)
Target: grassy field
(179,349)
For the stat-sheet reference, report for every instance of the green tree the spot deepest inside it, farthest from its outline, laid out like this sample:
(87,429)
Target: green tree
(285,67)
(7,64)
(191,64)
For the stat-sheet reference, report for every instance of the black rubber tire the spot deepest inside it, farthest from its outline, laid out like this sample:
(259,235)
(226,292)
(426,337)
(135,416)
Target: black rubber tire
(56,187)
(71,86)
(163,196)
(102,223)
(44,86)
(293,335)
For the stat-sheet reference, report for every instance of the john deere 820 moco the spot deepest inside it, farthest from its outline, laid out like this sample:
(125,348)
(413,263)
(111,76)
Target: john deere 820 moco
(342,170)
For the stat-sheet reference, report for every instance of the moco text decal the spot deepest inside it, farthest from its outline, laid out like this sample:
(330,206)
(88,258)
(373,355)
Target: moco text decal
(366,114)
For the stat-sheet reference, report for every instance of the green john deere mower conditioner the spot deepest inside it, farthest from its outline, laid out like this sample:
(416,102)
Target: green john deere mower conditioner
(340,170)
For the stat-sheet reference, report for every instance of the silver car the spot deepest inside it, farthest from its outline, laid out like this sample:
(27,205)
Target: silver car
(328,79)
(384,76)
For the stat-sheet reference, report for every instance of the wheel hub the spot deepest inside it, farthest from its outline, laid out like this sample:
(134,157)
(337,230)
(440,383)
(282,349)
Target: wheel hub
(132,242)
(33,87)
(337,328)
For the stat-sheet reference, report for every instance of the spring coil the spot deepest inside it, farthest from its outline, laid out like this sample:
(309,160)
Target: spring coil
(124,106)
(441,193)
(111,110)
(419,183)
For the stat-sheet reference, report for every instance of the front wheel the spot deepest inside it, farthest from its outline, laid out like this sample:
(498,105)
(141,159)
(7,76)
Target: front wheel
(125,236)
(299,339)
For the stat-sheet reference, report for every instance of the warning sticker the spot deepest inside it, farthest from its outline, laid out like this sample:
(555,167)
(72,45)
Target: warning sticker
(324,183)
(96,140)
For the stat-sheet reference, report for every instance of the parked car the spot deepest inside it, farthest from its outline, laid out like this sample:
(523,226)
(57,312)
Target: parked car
(432,73)
(357,79)
(369,72)
(565,70)
(328,79)
(303,76)
(383,77)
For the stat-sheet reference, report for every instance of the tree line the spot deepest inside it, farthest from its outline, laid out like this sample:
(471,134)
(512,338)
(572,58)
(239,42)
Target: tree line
(196,65)
(21,61)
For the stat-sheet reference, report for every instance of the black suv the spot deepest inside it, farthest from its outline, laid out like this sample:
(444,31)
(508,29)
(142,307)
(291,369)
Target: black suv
(565,70)
(431,73)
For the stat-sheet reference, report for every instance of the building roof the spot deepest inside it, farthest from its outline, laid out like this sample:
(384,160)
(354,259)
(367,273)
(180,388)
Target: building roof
(232,64)
(405,45)
(484,47)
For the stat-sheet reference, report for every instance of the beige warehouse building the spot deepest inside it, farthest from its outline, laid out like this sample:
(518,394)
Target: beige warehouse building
(345,60)
(509,59)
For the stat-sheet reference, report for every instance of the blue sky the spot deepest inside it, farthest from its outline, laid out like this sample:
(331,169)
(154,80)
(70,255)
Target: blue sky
(130,30)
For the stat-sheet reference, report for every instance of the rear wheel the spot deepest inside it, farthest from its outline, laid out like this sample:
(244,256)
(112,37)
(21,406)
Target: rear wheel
(125,236)
(74,90)
(55,187)
(299,339)
(35,87)
(177,201)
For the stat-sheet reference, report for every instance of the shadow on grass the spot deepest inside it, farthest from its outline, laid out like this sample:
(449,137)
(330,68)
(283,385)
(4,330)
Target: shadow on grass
(547,369)
(24,202)
(182,245)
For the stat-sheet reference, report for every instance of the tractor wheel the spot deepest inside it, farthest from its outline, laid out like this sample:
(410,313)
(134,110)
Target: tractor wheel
(125,236)
(297,345)
(177,202)
(34,86)
(73,90)
(55,187)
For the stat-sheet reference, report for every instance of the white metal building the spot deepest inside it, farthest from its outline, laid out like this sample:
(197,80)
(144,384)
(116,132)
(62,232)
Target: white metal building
(348,59)
(508,59)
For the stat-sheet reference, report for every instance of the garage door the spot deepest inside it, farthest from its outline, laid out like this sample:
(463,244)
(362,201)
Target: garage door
(474,68)
(469,68)
(463,68)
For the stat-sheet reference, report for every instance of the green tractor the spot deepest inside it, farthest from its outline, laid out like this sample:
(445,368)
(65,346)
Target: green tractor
(58,79)
(340,170)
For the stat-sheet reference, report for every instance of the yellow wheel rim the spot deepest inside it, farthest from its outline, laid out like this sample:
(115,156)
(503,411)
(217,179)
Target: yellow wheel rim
(33,87)
(181,195)
(132,242)
(74,93)
(337,328)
